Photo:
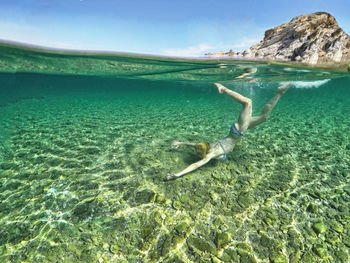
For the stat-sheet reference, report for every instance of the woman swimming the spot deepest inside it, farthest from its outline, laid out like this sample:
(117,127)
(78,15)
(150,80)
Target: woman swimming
(221,148)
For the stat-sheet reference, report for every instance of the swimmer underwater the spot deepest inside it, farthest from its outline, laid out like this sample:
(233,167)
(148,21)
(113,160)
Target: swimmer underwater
(220,149)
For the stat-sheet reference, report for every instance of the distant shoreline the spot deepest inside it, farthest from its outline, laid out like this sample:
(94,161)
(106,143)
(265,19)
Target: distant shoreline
(341,67)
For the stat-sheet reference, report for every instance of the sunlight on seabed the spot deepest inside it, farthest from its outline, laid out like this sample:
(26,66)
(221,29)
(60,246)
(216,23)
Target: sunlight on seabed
(85,145)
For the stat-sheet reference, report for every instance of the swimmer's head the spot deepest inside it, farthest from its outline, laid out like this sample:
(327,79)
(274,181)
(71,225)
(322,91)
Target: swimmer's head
(202,149)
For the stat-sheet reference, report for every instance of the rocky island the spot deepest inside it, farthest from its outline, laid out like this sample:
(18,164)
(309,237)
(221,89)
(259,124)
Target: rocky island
(314,39)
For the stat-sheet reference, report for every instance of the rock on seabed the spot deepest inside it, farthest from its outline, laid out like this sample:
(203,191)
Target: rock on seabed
(319,228)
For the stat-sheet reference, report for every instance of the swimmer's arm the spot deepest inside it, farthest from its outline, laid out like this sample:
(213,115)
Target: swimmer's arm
(192,167)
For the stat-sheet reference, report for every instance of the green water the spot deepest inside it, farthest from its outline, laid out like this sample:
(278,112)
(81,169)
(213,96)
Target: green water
(84,150)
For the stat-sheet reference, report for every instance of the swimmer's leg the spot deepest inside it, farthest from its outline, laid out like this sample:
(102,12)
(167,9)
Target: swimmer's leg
(246,113)
(256,120)
(192,167)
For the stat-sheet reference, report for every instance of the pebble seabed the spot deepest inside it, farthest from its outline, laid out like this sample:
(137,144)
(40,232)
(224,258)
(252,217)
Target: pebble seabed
(81,180)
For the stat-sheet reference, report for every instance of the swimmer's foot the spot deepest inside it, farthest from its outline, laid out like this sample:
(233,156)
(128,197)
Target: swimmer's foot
(281,90)
(220,87)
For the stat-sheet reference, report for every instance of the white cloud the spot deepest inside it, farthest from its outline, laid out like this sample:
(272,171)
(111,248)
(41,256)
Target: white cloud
(192,51)
(201,49)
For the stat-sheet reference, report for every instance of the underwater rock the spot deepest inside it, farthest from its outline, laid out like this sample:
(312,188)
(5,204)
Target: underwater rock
(15,232)
(177,205)
(92,150)
(279,258)
(312,208)
(222,239)
(144,197)
(246,258)
(320,251)
(225,257)
(174,259)
(114,248)
(268,242)
(295,257)
(118,224)
(160,199)
(308,257)
(184,198)
(245,199)
(85,209)
(7,165)
(181,227)
(346,241)
(146,232)
(347,226)
(270,216)
(163,245)
(218,221)
(87,185)
(232,253)
(332,238)
(335,226)
(88,255)
(244,247)
(12,185)
(342,255)
(214,197)
(319,228)
(201,244)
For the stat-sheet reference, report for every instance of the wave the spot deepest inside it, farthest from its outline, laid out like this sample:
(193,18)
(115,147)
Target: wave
(307,84)
(296,70)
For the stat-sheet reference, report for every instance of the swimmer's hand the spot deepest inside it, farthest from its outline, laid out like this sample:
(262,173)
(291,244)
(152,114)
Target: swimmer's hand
(220,87)
(176,144)
(170,177)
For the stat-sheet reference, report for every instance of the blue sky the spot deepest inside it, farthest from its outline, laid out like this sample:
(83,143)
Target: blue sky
(163,27)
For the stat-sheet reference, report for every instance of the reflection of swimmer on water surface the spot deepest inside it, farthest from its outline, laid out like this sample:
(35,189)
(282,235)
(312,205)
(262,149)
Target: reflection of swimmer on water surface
(220,149)
(248,71)
(247,75)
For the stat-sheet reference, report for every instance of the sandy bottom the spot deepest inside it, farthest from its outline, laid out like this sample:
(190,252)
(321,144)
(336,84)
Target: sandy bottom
(81,176)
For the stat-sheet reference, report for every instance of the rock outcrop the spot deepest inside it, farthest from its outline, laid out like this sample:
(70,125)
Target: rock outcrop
(314,39)
(230,53)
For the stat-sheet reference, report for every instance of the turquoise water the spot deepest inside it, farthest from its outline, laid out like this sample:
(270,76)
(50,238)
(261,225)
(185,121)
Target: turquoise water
(83,159)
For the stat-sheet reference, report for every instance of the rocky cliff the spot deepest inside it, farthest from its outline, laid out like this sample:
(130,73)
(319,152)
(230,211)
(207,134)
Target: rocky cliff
(315,39)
